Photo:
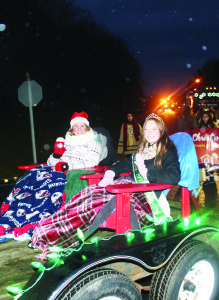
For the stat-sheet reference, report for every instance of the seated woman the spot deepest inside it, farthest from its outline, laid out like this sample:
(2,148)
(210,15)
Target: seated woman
(39,192)
(207,121)
(156,161)
(81,147)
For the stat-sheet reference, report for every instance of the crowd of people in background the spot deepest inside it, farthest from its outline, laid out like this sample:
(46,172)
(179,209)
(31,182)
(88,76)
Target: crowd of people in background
(187,120)
(203,118)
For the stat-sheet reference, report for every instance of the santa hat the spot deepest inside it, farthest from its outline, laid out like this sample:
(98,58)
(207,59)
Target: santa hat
(79,117)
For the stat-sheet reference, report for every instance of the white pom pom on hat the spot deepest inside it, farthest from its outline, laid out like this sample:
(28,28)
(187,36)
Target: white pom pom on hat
(79,117)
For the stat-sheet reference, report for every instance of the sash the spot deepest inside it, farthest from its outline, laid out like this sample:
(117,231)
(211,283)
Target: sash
(125,133)
(159,205)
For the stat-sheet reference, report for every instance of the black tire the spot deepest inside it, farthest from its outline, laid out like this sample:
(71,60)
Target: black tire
(101,284)
(172,282)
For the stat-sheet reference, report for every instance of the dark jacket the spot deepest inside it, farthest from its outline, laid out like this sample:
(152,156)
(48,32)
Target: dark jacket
(169,174)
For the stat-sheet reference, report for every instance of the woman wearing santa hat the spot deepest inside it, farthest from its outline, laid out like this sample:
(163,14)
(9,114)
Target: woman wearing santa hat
(80,149)
(39,192)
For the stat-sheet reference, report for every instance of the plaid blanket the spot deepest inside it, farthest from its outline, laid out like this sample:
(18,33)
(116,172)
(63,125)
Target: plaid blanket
(61,228)
(38,194)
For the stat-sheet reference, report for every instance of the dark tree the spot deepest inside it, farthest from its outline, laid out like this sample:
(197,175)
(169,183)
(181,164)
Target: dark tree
(77,62)
(209,73)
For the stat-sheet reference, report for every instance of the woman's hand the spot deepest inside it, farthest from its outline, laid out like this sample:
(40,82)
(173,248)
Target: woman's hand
(141,166)
(107,179)
(61,166)
(59,147)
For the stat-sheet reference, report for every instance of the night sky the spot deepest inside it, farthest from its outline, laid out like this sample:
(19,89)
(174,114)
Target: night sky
(171,39)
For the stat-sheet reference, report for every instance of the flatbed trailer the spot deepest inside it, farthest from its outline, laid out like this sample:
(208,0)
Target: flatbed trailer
(181,256)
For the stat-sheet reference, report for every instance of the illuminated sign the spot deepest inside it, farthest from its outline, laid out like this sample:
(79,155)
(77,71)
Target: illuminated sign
(202,95)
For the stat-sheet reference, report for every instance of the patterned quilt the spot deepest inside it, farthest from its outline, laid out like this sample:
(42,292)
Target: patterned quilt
(37,195)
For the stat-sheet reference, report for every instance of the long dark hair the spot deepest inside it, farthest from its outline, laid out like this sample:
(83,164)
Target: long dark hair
(214,115)
(209,124)
(163,144)
(134,122)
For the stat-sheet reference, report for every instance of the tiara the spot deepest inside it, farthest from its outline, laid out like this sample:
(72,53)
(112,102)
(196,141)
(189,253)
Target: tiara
(153,116)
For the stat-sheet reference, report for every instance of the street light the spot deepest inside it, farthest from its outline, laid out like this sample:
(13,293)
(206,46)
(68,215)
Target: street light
(197,80)
(189,94)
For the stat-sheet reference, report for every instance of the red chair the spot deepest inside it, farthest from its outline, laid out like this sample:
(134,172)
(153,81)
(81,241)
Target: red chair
(119,220)
(123,192)
(29,167)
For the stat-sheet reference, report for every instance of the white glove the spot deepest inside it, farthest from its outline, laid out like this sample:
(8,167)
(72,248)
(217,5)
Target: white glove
(107,179)
(141,166)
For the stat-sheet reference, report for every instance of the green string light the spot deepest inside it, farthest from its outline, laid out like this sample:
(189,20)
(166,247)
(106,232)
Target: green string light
(80,234)
(37,265)
(165,227)
(147,230)
(95,240)
(186,221)
(14,290)
(55,249)
(56,258)
(60,262)
(198,221)
(52,255)
(149,233)
(130,236)
(150,218)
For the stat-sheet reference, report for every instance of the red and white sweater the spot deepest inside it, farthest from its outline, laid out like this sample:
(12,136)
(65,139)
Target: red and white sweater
(82,151)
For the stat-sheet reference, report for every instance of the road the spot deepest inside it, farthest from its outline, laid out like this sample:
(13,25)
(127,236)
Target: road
(170,118)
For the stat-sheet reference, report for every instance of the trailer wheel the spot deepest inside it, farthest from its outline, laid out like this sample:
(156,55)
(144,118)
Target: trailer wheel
(192,273)
(101,284)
